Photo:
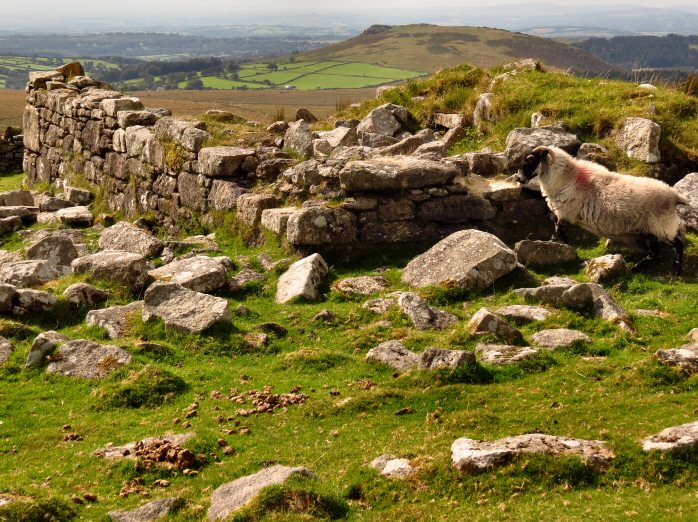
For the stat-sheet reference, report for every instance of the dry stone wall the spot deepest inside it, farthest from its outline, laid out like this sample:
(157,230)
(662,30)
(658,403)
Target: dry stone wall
(11,150)
(349,195)
(143,159)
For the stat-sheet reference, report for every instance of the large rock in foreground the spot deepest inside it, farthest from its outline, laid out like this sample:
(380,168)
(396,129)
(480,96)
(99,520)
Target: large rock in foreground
(117,266)
(88,360)
(469,259)
(183,309)
(302,280)
(128,237)
(234,495)
(474,455)
(394,173)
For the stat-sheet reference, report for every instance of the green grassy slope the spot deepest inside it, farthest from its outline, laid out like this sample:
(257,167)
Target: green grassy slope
(429,48)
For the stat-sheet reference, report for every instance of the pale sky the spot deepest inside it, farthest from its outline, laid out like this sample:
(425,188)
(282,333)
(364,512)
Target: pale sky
(132,8)
(64,15)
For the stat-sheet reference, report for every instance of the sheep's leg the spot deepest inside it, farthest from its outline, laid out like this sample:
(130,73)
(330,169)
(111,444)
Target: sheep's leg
(558,235)
(652,244)
(678,244)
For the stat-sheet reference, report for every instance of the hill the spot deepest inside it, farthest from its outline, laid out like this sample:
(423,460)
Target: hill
(432,47)
(657,52)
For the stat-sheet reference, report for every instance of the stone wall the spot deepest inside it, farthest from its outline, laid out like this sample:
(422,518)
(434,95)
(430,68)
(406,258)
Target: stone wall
(11,150)
(143,159)
(404,189)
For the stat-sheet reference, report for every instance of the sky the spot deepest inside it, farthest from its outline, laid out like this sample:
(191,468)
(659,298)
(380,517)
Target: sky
(133,8)
(124,14)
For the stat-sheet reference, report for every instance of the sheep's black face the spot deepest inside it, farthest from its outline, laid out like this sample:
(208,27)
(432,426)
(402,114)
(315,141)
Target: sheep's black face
(530,165)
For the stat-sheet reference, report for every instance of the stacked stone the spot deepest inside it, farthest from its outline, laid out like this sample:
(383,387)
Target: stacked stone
(406,199)
(146,160)
(11,150)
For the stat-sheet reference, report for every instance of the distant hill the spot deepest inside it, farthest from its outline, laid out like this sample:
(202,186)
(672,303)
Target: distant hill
(658,52)
(432,47)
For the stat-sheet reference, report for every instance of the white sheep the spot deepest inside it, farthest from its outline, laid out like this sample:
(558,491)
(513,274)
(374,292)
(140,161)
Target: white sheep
(607,204)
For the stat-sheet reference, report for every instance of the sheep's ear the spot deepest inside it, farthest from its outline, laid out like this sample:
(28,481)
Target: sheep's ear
(541,152)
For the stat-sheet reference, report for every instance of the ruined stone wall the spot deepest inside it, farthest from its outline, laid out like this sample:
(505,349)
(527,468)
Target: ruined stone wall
(145,161)
(11,150)
(142,159)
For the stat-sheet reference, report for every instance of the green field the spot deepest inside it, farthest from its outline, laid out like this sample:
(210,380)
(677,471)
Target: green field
(31,63)
(308,76)
(300,75)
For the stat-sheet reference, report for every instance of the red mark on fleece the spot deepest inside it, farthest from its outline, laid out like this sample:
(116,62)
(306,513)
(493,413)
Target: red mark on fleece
(583,176)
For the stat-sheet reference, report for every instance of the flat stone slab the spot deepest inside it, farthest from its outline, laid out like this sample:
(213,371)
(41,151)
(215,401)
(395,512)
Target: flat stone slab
(222,161)
(439,359)
(485,322)
(559,338)
(684,359)
(128,451)
(501,354)
(469,259)
(422,315)
(473,456)
(199,273)
(276,219)
(88,360)
(183,309)
(154,510)
(394,173)
(302,280)
(363,285)
(23,274)
(115,319)
(130,238)
(676,439)
(117,266)
(392,466)
(75,216)
(544,253)
(230,497)
(523,314)
(394,354)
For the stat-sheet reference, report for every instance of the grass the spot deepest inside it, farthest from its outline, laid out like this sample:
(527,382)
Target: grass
(593,108)
(620,397)
(11,181)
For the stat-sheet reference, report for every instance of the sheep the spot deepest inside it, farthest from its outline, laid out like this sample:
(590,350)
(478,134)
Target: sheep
(607,204)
